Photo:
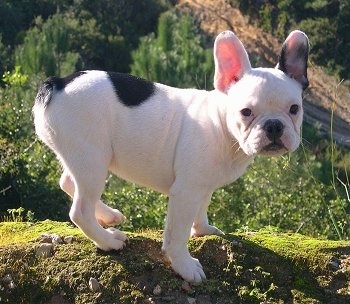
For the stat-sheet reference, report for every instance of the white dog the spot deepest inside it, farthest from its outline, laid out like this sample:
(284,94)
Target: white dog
(182,142)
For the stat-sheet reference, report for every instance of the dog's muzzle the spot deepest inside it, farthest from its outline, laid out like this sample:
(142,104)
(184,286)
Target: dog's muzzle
(274,130)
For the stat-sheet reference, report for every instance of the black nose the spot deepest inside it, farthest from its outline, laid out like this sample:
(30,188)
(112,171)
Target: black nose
(273,129)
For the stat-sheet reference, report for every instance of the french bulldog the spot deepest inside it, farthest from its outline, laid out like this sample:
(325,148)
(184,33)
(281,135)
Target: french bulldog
(182,142)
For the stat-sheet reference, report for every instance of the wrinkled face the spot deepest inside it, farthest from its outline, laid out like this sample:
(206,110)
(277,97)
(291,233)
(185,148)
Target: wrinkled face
(265,112)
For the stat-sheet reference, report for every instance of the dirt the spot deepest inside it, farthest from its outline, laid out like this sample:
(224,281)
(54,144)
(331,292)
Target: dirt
(325,95)
(244,267)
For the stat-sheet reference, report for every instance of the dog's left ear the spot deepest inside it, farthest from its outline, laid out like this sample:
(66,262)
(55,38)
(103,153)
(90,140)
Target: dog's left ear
(231,60)
(294,56)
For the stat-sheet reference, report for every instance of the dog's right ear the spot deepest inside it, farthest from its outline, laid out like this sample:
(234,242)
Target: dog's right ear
(294,56)
(231,60)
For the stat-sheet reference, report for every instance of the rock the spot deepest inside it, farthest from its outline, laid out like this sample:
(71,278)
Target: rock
(7,279)
(191,300)
(157,290)
(68,239)
(94,285)
(334,265)
(8,282)
(44,250)
(53,238)
(56,239)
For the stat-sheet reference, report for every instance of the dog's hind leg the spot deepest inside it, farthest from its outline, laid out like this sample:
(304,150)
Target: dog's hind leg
(105,215)
(200,225)
(108,216)
(87,189)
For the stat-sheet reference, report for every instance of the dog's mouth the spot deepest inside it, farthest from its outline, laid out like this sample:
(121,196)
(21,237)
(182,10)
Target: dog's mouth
(276,147)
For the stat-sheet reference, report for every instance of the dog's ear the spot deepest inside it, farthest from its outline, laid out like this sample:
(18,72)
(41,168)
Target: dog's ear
(294,56)
(231,60)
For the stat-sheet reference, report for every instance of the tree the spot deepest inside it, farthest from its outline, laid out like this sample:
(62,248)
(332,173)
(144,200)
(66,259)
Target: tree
(47,48)
(176,56)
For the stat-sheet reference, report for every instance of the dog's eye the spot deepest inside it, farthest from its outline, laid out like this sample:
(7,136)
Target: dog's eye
(294,109)
(246,112)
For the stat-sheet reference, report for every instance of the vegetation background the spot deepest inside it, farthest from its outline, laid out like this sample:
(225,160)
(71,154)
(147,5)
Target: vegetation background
(307,191)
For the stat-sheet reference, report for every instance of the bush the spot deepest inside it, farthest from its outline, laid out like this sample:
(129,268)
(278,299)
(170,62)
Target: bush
(28,172)
(282,192)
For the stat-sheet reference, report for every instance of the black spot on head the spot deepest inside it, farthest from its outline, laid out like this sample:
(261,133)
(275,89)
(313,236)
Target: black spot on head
(132,91)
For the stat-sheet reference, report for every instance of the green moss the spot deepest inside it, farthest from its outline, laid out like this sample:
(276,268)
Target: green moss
(256,267)
(301,249)
(19,232)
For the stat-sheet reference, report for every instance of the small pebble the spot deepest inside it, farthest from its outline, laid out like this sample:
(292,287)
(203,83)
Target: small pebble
(56,239)
(68,239)
(7,279)
(334,265)
(157,290)
(191,300)
(11,285)
(237,244)
(234,243)
(94,285)
(53,238)
(44,250)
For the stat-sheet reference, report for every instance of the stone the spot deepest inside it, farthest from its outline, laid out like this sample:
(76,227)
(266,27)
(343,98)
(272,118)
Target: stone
(68,239)
(45,250)
(94,285)
(157,290)
(191,300)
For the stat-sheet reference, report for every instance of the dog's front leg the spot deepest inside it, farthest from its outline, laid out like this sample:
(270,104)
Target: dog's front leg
(201,225)
(183,206)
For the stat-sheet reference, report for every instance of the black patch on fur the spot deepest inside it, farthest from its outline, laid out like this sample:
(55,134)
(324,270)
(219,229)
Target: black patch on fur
(44,95)
(131,90)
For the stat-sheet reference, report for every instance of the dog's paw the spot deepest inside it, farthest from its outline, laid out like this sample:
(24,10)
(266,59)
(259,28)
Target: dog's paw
(113,239)
(106,216)
(205,230)
(189,268)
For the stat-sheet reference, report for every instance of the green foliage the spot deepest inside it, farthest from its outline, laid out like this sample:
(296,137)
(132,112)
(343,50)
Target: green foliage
(142,207)
(46,48)
(176,56)
(286,195)
(28,173)
(17,215)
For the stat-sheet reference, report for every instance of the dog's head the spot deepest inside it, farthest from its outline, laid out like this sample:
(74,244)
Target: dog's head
(265,104)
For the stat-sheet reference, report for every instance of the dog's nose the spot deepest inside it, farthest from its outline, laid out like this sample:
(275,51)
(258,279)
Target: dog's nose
(273,129)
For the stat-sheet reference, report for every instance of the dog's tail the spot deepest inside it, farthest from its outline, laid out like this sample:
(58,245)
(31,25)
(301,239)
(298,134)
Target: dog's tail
(46,91)
(42,101)
(52,85)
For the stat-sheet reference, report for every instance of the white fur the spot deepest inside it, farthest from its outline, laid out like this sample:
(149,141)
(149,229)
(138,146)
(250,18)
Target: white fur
(182,142)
